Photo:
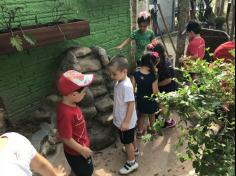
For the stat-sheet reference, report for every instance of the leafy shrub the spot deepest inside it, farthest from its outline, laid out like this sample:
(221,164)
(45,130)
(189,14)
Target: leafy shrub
(207,108)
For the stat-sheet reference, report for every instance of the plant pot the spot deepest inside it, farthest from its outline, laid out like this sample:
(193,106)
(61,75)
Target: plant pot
(45,35)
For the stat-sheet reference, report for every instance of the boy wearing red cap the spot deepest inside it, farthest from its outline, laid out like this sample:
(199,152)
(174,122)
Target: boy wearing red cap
(71,124)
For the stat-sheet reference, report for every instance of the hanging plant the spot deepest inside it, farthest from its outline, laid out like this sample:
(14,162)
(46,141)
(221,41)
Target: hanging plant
(7,21)
(14,37)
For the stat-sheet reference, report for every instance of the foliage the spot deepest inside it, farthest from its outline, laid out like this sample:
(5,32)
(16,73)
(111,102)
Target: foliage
(220,21)
(206,106)
(61,6)
(16,42)
(7,20)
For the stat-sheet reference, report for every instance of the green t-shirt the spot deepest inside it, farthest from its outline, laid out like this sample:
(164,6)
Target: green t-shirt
(142,40)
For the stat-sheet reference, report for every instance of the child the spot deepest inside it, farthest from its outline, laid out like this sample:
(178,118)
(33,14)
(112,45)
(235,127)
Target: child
(166,74)
(124,112)
(196,47)
(146,80)
(19,157)
(71,124)
(143,36)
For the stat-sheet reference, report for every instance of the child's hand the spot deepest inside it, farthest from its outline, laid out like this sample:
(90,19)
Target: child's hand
(119,48)
(124,126)
(60,171)
(86,152)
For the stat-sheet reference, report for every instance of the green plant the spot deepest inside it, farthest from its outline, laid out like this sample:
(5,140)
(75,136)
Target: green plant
(8,22)
(60,7)
(220,21)
(206,107)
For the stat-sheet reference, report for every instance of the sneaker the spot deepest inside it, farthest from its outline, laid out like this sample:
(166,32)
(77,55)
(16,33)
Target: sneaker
(136,152)
(128,168)
(170,124)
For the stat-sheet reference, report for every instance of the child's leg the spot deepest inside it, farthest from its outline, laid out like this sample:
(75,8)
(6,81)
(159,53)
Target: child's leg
(141,121)
(130,152)
(127,138)
(152,120)
(135,143)
(80,165)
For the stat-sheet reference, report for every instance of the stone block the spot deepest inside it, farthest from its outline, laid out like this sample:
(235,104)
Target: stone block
(104,104)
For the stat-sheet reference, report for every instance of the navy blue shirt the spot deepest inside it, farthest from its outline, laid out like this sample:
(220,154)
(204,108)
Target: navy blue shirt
(144,83)
(166,71)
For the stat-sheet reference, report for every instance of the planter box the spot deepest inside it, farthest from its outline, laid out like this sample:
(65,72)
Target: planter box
(45,35)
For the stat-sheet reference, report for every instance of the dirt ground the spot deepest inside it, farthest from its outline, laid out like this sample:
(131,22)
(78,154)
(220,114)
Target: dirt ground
(157,158)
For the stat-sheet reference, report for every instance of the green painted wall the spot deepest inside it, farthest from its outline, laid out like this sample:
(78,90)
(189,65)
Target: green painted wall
(26,78)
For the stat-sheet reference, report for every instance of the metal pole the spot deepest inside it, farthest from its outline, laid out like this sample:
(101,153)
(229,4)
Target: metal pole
(166,27)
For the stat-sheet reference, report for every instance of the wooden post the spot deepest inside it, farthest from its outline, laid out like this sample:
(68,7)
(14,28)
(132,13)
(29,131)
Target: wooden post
(166,27)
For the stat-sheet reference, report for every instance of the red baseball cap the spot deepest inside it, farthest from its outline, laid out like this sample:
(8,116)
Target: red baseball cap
(72,80)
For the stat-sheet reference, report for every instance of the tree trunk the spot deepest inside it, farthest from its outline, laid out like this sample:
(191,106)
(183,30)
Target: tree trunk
(233,22)
(183,16)
(222,7)
(134,15)
(217,7)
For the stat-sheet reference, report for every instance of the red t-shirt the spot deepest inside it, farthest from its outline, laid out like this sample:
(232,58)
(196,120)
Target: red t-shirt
(71,124)
(196,48)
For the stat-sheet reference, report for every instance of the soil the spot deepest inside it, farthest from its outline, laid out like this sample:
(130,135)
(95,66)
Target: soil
(157,158)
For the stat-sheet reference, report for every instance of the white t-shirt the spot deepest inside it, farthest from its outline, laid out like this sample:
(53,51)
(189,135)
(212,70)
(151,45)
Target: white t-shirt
(16,156)
(123,94)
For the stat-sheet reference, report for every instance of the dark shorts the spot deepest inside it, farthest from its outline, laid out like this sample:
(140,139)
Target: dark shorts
(79,165)
(127,137)
(146,106)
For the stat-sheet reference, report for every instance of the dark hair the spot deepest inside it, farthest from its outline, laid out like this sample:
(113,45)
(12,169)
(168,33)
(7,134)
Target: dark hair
(150,61)
(159,48)
(144,20)
(120,62)
(194,26)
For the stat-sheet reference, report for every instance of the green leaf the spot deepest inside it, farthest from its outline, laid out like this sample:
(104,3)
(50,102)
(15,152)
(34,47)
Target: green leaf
(28,38)
(16,42)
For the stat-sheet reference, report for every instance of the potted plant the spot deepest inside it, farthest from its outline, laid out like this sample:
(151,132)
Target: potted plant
(18,38)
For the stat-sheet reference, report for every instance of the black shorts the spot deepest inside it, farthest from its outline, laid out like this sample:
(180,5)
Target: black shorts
(127,137)
(79,165)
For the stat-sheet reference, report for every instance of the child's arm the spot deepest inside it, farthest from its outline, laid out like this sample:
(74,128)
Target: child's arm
(40,165)
(126,122)
(133,82)
(125,43)
(84,151)
(164,82)
(155,88)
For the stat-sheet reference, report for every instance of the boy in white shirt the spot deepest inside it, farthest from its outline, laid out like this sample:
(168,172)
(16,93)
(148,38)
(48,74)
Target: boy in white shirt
(124,111)
(18,157)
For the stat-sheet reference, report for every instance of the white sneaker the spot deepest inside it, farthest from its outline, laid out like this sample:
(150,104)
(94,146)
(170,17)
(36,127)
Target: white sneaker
(128,168)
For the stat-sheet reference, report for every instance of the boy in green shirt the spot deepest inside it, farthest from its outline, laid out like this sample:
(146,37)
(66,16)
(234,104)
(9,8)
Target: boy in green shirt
(142,36)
